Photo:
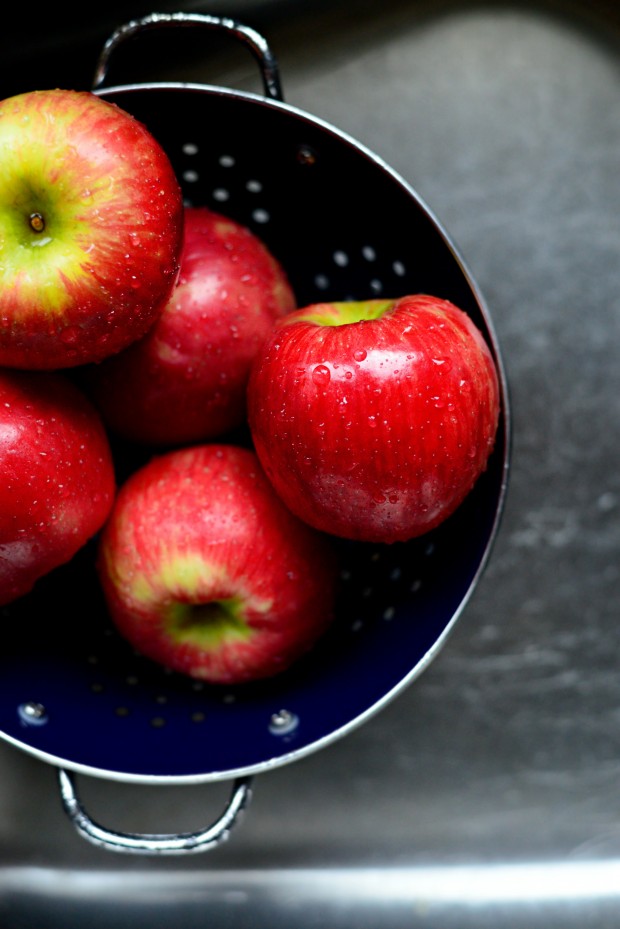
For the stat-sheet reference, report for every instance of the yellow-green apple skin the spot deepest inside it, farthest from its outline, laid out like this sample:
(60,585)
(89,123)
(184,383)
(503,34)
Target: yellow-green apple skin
(91,222)
(206,572)
(58,476)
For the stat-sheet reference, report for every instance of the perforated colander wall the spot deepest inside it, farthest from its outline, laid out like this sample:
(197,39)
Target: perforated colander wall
(345,227)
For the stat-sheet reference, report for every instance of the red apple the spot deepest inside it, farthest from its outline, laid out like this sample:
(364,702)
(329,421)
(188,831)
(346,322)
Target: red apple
(206,572)
(58,480)
(186,380)
(373,420)
(90,229)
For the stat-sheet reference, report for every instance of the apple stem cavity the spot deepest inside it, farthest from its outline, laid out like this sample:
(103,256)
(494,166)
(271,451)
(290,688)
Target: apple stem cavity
(345,312)
(211,623)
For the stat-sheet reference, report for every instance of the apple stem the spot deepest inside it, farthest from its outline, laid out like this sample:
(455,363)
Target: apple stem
(37,223)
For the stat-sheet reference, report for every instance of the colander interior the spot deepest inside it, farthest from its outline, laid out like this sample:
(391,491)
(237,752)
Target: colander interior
(344,226)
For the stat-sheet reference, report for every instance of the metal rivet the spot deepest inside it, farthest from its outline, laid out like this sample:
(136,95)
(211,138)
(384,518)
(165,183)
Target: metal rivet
(306,156)
(283,722)
(32,713)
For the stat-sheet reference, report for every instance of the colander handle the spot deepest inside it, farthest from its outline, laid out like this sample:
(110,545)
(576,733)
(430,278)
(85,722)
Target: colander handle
(245,34)
(154,844)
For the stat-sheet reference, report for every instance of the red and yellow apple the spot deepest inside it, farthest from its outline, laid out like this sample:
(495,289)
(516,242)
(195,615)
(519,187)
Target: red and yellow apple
(374,419)
(91,220)
(205,571)
(186,380)
(58,478)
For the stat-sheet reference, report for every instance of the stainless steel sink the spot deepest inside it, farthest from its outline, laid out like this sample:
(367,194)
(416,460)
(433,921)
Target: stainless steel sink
(487,793)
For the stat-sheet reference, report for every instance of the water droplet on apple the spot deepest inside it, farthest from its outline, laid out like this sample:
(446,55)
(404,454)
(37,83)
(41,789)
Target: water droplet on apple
(70,335)
(372,421)
(360,354)
(321,375)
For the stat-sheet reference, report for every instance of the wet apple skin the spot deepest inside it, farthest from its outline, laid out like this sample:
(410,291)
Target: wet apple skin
(376,429)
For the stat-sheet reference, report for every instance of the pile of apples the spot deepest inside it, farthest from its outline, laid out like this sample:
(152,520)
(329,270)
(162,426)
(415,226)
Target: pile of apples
(126,314)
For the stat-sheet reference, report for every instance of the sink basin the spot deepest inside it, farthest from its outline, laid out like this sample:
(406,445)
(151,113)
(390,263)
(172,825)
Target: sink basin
(486,793)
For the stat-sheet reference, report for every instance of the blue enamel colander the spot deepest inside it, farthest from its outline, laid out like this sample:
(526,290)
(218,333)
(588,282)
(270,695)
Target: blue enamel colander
(71,692)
